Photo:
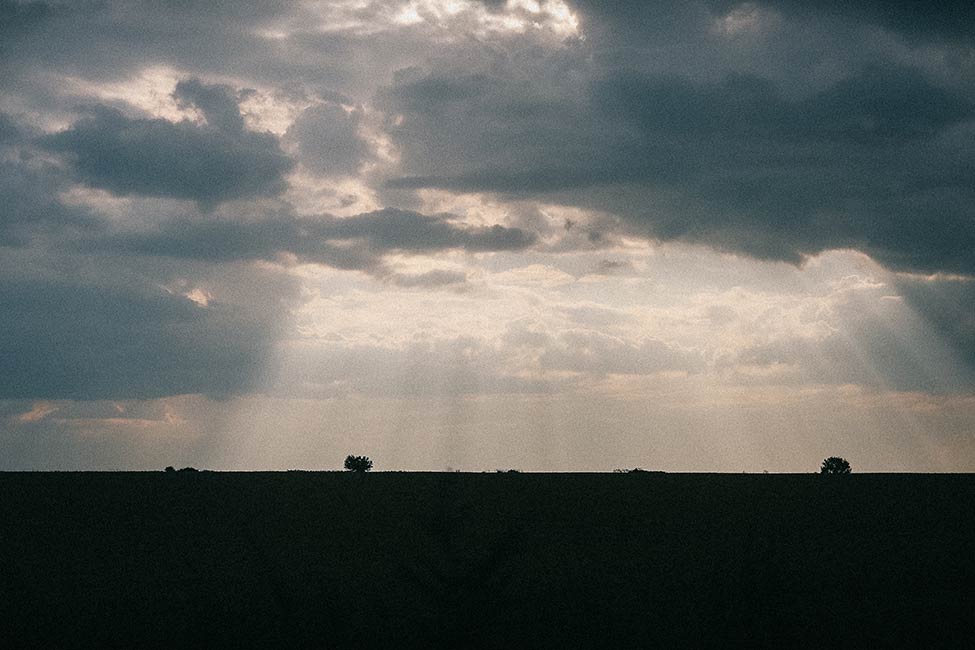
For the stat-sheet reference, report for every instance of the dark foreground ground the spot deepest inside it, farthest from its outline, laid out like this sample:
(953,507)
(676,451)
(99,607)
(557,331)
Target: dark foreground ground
(330,560)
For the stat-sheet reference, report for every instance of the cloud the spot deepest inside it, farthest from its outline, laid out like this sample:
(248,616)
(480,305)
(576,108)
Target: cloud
(29,204)
(218,104)
(10,131)
(875,107)
(875,156)
(106,435)
(609,267)
(410,231)
(354,243)
(951,20)
(917,339)
(916,22)
(64,339)
(795,130)
(328,140)
(454,366)
(207,163)
(119,34)
(29,189)
(21,16)
(38,412)
(523,359)
(590,352)
(435,278)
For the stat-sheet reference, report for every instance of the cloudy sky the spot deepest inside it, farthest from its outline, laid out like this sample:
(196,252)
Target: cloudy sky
(543,234)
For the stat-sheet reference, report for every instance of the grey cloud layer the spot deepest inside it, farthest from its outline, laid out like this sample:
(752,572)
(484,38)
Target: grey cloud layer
(208,163)
(29,205)
(29,188)
(776,129)
(348,243)
(951,19)
(328,140)
(62,338)
(880,161)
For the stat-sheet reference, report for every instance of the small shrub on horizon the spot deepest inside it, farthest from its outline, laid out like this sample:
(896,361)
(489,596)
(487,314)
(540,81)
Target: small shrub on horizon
(835,465)
(358,463)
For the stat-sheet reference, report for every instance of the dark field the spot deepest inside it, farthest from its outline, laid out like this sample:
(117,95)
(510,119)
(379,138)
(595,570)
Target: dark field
(391,560)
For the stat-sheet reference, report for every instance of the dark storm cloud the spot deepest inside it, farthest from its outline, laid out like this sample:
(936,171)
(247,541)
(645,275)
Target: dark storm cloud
(867,163)
(29,205)
(328,140)
(880,160)
(875,107)
(915,20)
(10,131)
(208,163)
(653,129)
(112,40)
(488,132)
(950,19)
(404,230)
(29,188)
(217,103)
(131,33)
(68,340)
(16,17)
(357,242)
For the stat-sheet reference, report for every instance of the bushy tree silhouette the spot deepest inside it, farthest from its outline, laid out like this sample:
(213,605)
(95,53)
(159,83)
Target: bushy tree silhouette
(835,465)
(358,463)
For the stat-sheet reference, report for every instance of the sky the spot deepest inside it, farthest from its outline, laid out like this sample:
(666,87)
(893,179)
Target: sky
(452,234)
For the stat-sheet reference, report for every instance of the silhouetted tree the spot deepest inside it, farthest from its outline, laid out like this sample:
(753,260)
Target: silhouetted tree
(358,463)
(835,465)
(170,468)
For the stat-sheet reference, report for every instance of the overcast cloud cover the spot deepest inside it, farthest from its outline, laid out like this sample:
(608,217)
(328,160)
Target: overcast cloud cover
(534,233)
